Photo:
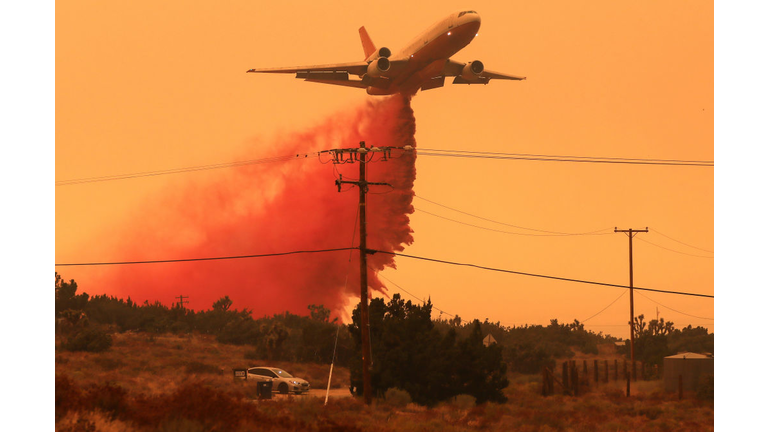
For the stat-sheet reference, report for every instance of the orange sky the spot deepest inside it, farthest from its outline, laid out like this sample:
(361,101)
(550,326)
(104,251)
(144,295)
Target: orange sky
(146,86)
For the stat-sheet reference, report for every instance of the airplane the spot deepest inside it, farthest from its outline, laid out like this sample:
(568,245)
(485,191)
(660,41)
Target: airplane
(421,65)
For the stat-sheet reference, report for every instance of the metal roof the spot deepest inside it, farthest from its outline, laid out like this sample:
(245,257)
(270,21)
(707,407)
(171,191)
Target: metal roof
(690,355)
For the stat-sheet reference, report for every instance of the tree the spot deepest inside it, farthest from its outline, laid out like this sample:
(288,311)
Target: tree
(410,354)
(223,304)
(319,313)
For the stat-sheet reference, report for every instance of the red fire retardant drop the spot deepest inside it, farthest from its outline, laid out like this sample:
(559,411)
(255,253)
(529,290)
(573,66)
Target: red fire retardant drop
(273,208)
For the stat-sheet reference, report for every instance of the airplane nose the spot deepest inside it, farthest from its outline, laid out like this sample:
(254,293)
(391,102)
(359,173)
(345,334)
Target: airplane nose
(472,20)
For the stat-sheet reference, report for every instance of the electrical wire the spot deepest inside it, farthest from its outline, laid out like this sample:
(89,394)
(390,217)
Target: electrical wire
(203,259)
(556,158)
(541,276)
(506,224)
(505,232)
(673,310)
(182,170)
(675,251)
(423,152)
(678,241)
(403,290)
(605,308)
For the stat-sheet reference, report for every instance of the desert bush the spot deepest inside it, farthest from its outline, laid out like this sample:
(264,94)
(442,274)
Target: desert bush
(68,396)
(81,424)
(108,398)
(397,398)
(109,364)
(198,367)
(88,339)
(195,402)
(464,401)
(178,424)
(252,354)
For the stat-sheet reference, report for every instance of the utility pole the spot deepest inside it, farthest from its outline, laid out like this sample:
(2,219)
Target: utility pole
(363,184)
(631,233)
(182,301)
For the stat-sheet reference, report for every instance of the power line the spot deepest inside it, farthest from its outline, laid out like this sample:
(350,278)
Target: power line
(422,152)
(376,251)
(673,310)
(204,259)
(182,170)
(605,308)
(502,231)
(554,158)
(675,251)
(550,233)
(539,275)
(415,297)
(678,241)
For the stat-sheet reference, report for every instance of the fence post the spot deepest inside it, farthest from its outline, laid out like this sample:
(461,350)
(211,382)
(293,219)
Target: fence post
(544,381)
(606,370)
(615,370)
(628,378)
(551,381)
(585,368)
(625,368)
(575,379)
(565,376)
(596,373)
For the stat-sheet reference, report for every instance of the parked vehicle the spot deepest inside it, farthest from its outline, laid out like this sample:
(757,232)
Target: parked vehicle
(282,381)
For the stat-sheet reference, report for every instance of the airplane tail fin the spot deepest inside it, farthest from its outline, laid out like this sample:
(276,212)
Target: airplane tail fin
(368,46)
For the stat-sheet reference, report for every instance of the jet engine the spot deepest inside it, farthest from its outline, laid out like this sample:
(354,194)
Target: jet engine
(472,70)
(378,67)
(383,52)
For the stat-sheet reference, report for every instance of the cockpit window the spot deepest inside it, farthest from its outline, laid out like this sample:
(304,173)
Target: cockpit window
(461,14)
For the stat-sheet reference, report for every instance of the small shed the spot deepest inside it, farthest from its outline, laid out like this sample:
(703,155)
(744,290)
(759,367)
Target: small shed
(691,366)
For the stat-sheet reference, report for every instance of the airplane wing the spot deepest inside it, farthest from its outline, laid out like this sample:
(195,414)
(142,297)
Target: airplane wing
(338,74)
(454,69)
(355,68)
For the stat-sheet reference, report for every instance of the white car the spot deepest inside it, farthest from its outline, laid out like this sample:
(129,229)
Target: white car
(282,381)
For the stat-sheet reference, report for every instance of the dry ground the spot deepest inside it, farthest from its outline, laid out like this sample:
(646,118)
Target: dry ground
(173,383)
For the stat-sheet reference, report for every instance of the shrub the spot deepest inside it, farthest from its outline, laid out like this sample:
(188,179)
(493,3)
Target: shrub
(397,398)
(109,364)
(197,367)
(89,339)
(68,396)
(464,401)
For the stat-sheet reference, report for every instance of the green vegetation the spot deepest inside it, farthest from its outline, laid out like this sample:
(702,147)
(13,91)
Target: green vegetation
(84,323)
(658,339)
(411,354)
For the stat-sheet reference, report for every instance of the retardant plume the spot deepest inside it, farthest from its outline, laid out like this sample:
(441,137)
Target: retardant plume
(278,207)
